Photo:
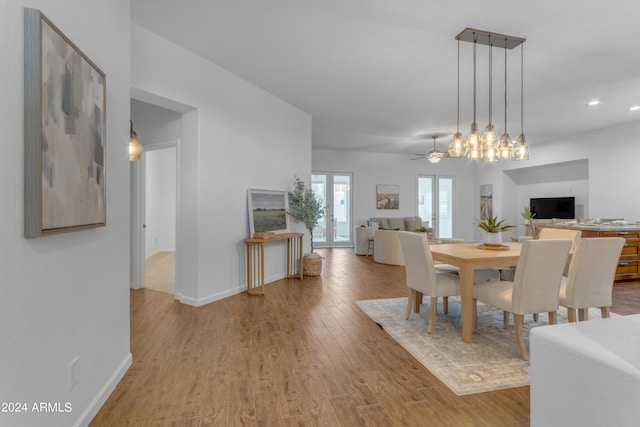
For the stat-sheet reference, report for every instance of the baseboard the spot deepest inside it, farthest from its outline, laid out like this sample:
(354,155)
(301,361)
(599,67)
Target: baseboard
(198,302)
(97,402)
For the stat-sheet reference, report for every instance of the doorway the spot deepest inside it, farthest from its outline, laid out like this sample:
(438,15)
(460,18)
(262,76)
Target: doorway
(334,230)
(160,215)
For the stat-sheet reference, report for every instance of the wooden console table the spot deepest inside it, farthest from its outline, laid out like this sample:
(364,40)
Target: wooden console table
(255,259)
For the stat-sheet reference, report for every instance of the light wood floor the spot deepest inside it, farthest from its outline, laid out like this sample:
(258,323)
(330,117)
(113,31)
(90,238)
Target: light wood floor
(160,272)
(301,355)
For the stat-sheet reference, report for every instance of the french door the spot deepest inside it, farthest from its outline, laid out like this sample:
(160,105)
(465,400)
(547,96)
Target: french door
(335,228)
(435,203)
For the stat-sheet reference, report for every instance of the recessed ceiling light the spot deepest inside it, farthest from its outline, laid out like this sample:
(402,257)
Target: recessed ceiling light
(594,102)
(634,108)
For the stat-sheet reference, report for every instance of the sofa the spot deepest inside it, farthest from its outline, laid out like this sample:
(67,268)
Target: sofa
(586,373)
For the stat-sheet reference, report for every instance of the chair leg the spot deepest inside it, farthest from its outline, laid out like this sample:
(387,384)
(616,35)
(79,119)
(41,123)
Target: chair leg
(505,319)
(571,314)
(518,320)
(445,305)
(432,314)
(583,314)
(605,312)
(553,317)
(412,295)
(535,317)
(417,301)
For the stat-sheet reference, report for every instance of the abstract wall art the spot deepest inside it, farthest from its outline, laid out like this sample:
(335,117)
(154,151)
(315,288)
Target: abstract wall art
(65,112)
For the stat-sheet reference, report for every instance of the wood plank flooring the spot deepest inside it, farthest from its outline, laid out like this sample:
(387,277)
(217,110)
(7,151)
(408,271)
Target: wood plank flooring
(301,355)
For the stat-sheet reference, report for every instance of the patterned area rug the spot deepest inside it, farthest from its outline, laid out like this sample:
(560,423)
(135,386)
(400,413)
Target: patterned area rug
(490,362)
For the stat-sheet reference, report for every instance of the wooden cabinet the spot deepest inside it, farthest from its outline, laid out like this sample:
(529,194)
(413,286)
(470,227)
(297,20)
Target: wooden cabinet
(629,264)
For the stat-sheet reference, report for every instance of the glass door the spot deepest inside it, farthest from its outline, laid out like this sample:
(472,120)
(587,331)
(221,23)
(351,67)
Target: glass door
(335,228)
(436,192)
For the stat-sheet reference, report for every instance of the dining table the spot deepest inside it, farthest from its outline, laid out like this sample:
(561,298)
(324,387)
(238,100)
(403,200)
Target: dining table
(468,257)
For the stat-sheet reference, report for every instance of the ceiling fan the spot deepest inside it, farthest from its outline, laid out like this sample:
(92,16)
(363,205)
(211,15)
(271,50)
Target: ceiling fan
(434,156)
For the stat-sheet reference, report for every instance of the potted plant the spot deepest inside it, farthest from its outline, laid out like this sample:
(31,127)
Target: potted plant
(305,206)
(494,229)
(527,217)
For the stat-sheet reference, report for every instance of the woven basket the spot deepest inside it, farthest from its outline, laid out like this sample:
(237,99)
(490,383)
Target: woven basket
(312,266)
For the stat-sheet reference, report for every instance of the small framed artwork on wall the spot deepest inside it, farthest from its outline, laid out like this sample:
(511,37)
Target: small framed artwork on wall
(387,196)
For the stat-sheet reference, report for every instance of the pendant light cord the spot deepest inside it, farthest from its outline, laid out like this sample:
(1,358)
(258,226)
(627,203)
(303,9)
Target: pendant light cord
(490,80)
(522,88)
(505,86)
(474,77)
(458,120)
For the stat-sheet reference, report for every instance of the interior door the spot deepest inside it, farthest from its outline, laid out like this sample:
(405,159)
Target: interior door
(335,229)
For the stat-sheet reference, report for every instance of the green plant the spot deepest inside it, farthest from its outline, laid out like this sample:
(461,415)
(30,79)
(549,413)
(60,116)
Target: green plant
(305,206)
(424,229)
(492,225)
(526,213)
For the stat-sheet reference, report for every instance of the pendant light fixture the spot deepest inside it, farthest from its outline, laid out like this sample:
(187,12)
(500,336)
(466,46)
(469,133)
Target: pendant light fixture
(489,141)
(458,147)
(487,145)
(505,149)
(135,147)
(522,150)
(473,139)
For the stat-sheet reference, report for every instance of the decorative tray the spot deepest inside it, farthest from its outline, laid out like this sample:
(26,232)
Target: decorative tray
(490,247)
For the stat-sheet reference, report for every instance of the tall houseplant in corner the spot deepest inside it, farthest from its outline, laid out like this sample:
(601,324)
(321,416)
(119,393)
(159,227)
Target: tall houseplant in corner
(305,206)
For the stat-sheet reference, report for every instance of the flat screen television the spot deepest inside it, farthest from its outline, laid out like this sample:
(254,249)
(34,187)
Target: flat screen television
(553,207)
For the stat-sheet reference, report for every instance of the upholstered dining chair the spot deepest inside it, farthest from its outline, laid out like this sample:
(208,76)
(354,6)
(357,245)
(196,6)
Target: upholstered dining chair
(422,276)
(535,288)
(591,275)
(547,233)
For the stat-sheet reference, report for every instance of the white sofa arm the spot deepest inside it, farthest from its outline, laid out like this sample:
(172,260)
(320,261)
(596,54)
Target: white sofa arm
(586,373)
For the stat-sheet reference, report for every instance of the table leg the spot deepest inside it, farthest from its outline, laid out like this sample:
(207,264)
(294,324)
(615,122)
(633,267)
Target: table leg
(466,298)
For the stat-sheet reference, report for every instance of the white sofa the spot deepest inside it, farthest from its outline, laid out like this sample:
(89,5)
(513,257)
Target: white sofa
(586,373)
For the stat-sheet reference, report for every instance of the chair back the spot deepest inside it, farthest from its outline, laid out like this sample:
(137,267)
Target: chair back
(592,272)
(547,233)
(538,276)
(421,274)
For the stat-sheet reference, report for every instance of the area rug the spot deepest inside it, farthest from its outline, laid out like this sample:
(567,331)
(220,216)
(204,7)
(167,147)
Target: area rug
(490,362)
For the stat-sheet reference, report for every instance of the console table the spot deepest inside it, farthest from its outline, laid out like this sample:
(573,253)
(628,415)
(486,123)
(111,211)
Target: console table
(255,259)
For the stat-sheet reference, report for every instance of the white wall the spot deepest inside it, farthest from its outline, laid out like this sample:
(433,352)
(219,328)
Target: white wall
(67,295)
(236,137)
(160,198)
(370,169)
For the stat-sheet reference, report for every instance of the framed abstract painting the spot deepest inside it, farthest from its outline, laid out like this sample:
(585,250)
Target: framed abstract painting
(65,132)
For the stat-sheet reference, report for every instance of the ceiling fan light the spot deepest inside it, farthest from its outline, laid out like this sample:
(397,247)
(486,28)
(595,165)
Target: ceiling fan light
(434,156)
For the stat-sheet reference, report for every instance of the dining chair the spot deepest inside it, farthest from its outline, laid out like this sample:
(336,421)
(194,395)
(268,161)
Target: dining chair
(591,275)
(535,287)
(422,276)
(547,233)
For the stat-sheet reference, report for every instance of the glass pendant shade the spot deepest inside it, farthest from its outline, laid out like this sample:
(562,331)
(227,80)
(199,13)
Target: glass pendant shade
(457,147)
(473,143)
(522,150)
(505,150)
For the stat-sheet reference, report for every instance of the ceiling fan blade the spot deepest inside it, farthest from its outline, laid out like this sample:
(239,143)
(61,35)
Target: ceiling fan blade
(418,158)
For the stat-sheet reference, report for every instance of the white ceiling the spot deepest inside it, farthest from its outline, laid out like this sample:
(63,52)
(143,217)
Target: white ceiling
(375,73)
